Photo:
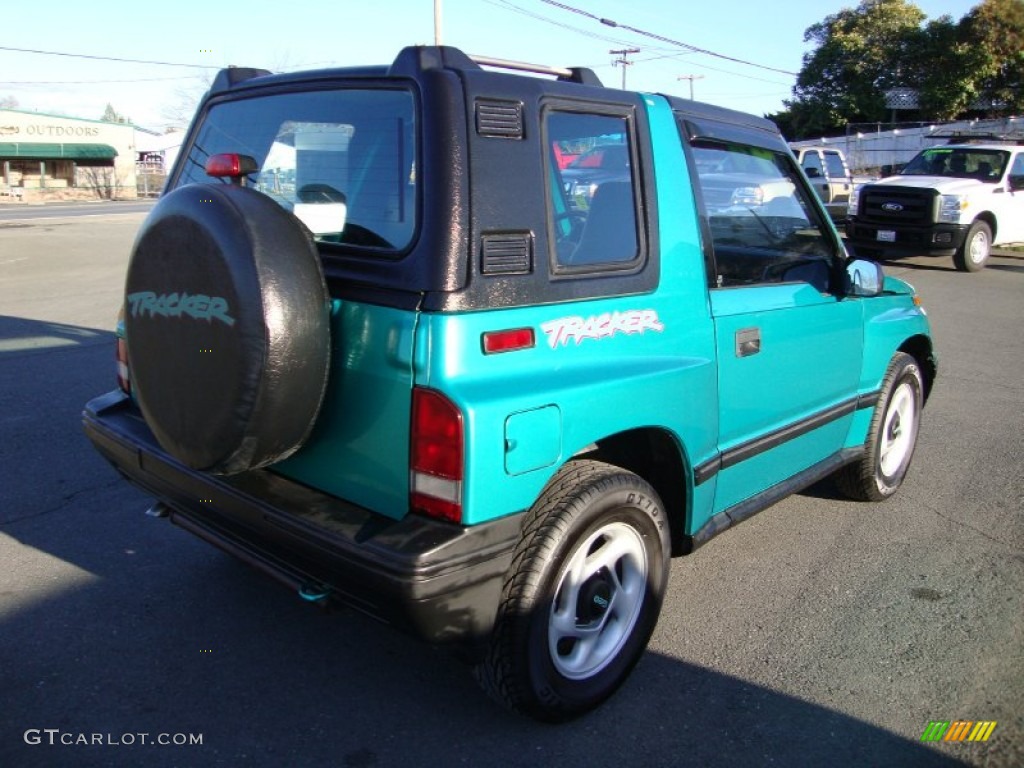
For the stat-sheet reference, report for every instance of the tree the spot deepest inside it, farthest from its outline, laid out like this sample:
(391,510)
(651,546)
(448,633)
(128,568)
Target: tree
(8,102)
(949,90)
(994,32)
(974,66)
(857,58)
(111,115)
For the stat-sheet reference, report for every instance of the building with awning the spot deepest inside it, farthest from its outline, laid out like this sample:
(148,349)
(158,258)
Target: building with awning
(54,157)
(44,151)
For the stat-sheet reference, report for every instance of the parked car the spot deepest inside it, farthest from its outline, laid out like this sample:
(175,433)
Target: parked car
(469,407)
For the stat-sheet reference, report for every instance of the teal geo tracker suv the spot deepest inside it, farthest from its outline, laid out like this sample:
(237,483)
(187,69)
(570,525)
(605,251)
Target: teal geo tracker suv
(379,343)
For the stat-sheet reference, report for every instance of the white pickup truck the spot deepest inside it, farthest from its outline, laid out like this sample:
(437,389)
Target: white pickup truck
(955,200)
(827,170)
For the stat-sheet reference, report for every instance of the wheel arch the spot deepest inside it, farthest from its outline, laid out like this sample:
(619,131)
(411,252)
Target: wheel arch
(920,348)
(656,455)
(990,219)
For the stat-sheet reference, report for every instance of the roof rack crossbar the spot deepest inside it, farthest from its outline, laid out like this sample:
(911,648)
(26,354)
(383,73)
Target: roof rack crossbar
(522,66)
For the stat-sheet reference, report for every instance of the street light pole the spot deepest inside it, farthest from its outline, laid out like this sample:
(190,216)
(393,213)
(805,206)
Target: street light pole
(691,78)
(623,61)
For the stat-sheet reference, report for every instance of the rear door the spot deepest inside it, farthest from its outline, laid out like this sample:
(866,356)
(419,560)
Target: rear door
(1011,217)
(815,170)
(838,177)
(789,346)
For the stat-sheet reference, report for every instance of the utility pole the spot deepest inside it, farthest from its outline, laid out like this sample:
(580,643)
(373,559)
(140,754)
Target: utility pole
(437,22)
(623,61)
(691,78)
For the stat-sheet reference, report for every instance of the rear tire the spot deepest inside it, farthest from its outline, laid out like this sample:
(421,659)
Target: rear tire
(582,596)
(892,436)
(973,255)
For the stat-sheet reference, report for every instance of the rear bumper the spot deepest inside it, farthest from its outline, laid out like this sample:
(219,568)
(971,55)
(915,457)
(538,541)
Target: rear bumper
(439,581)
(928,239)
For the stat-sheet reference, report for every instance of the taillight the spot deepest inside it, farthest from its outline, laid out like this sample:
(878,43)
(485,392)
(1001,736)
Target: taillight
(437,452)
(124,378)
(230,165)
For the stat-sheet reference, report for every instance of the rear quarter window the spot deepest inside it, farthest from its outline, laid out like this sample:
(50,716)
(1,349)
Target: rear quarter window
(592,202)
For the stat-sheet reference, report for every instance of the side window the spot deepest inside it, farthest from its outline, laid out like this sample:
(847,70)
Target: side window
(1017,169)
(834,163)
(812,166)
(592,197)
(764,228)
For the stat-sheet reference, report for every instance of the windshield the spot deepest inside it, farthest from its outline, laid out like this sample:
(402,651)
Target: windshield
(959,163)
(343,161)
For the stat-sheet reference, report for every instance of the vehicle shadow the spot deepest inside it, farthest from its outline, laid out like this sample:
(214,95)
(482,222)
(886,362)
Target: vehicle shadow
(114,625)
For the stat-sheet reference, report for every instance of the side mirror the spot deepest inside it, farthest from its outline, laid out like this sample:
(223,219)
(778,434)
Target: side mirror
(886,171)
(864,278)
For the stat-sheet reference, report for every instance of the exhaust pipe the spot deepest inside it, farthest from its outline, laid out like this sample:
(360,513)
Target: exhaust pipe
(159,509)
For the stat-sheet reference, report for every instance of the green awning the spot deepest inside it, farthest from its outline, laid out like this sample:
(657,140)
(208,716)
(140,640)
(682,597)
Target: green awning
(44,151)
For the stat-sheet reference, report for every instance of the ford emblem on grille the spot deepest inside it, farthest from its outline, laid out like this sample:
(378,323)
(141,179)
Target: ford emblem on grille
(892,207)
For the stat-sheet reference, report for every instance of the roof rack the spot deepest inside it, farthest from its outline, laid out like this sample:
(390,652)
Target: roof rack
(966,137)
(574,74)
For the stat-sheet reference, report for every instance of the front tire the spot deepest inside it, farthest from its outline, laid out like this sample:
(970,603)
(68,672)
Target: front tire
(582,596)
(892,436)
(973,255)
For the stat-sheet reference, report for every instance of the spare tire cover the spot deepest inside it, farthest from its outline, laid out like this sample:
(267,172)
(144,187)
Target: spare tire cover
(227,320)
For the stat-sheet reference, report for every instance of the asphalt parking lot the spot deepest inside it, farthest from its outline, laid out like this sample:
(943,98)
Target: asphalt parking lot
(821,632)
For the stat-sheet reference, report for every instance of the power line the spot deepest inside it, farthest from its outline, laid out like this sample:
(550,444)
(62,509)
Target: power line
(108,58)
(518,9)
(661,38)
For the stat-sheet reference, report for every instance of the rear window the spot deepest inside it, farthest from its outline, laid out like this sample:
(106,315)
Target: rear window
(343,161)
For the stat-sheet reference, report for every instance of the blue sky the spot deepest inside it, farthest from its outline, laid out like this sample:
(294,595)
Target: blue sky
(288,36)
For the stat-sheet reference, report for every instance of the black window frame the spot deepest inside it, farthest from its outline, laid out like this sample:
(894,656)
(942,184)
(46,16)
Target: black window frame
(556,270)
(704,129)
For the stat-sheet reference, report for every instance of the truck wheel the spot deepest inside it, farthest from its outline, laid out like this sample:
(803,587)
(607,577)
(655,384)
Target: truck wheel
(892,436)
(227,320)
(582,596)
(973,254)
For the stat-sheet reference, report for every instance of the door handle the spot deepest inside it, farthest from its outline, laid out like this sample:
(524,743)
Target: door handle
(748,342)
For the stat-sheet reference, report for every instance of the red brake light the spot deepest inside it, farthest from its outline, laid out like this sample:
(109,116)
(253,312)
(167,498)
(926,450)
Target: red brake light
(437,452)
(230,164)
(507,341)
(124,381)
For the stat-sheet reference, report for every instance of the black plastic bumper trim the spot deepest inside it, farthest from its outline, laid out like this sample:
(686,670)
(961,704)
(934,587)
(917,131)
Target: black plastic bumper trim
(725,459)
(439,581)
(750,507)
